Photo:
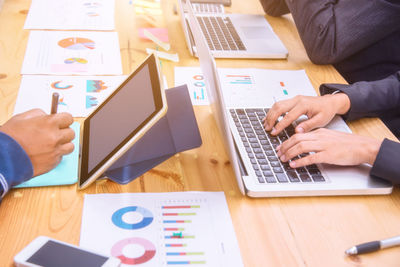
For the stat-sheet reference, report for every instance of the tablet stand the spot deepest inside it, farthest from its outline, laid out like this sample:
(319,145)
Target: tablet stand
(177,131)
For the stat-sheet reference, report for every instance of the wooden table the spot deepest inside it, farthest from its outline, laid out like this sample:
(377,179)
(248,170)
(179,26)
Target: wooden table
(301,231)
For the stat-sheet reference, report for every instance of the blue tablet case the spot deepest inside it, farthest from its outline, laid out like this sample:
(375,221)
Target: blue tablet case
(177,131)
(65,173)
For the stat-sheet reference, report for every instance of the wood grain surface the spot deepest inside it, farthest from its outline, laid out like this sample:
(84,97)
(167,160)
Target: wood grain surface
(301,231)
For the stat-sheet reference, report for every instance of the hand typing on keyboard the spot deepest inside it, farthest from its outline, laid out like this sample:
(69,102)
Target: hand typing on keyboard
(319,110)
(330,146)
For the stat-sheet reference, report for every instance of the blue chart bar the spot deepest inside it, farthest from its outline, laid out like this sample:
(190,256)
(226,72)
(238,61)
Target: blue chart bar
(241,82)
(173,254)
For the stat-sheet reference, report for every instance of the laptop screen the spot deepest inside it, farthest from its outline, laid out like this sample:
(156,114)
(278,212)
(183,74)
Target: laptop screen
(214,92)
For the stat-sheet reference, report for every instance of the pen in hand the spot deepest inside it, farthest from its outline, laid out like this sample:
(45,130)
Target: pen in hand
(373,246)
(54,103)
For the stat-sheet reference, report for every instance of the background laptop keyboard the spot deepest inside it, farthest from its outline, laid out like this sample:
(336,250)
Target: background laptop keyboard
(260,147)
(220,33)
(208,8)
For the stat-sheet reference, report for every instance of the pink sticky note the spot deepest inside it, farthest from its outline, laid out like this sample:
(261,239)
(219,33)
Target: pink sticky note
(160,33)
(65,68)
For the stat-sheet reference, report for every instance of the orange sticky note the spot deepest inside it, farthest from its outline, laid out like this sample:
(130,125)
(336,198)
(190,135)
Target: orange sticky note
(160,33)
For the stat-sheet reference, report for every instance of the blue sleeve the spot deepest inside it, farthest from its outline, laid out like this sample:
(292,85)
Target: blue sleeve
(15,165)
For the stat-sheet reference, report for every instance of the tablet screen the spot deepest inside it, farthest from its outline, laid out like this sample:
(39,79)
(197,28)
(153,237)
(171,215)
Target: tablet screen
(131,106)
(119,117)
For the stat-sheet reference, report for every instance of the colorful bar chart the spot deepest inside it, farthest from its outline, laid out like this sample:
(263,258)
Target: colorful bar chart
(240,79)
(199,95)
(192,250)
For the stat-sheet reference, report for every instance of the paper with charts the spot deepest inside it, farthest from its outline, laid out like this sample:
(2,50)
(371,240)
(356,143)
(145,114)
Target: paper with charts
(161,229)
(78,95)
(72,52)
(71,15)
(247,87)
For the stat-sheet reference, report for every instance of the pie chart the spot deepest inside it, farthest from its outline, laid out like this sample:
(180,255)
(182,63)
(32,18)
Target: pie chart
(77,43)
(75,60)
(149,250)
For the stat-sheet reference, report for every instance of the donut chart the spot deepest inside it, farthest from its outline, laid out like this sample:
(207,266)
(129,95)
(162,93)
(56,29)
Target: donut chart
(150,250)
(199,84)
(57,85)
(147,217)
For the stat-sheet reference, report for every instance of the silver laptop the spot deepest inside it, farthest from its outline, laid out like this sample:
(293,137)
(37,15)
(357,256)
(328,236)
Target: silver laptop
(234,35)
(258,170)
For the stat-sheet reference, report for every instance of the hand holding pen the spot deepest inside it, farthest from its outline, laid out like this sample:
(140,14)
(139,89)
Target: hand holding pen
(54,103)
(373,246)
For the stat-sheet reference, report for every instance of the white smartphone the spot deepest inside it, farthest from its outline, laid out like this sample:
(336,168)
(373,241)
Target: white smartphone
(47,252)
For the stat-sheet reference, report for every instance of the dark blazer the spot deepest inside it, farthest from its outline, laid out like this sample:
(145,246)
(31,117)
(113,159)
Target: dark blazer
(359,37)
(372,99)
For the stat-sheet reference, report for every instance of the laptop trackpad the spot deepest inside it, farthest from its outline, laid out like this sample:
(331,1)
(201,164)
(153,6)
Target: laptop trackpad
(254,32)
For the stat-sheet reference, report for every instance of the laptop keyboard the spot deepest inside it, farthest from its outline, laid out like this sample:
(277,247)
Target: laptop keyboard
(220,34)
(208,8)
(260,147)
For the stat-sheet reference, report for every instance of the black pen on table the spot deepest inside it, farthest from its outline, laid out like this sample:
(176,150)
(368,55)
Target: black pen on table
(54,103)
(373,246)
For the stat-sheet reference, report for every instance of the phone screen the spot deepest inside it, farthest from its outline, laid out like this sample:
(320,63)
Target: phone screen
(53,254)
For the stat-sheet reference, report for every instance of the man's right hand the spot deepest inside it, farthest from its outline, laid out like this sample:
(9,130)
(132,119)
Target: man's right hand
(45,138)
(320,110)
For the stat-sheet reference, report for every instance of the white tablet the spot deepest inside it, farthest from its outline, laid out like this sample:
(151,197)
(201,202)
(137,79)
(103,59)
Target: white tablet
(120,121)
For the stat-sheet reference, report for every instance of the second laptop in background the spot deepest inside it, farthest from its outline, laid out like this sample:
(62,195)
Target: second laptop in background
(234,35)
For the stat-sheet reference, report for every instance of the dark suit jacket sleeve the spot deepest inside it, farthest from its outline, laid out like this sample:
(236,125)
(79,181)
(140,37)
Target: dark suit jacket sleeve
(387,162)
(333,30)
(372,99)
(275,7)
